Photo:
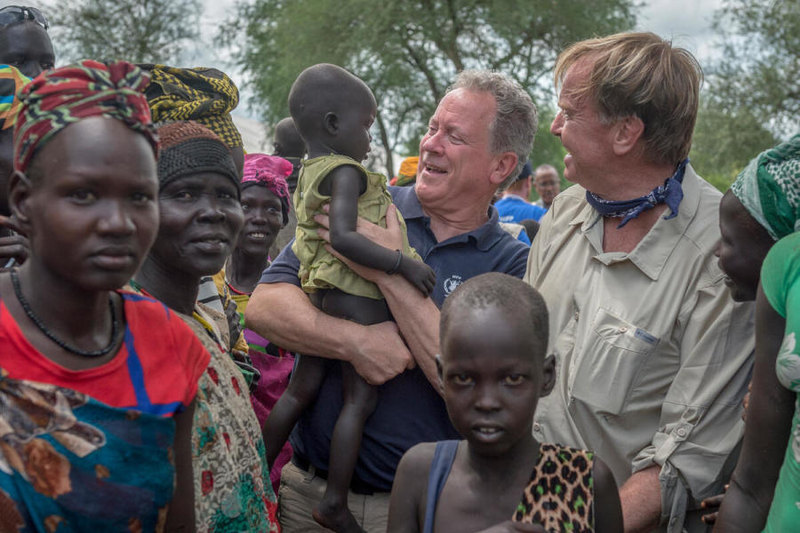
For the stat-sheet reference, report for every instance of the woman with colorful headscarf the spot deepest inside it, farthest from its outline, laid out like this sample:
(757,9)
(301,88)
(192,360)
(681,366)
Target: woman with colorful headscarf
(201,216)
(97,385)
(266,203)
(762,207)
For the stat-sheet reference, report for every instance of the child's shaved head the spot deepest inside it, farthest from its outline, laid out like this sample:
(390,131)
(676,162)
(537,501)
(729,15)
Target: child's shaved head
(288,142)
(322,89)
(520,303)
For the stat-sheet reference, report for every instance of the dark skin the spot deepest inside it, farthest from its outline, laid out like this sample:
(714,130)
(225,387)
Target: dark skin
(200,222)
(491,374)
(288,142)
(27,46)
(88,205)
(341,128)
(263,219)
(742,247)
(749,496)
(13,245)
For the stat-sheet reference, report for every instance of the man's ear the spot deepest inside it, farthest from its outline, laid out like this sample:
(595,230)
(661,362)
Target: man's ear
(331,123)
(504,166)
(19,192)
(439,373)
(627,132)
(548,375)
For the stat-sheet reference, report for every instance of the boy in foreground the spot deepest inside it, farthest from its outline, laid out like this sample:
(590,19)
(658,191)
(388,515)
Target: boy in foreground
(492,371)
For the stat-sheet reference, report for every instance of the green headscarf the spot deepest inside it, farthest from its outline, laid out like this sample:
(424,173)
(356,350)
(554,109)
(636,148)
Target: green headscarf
(769,188)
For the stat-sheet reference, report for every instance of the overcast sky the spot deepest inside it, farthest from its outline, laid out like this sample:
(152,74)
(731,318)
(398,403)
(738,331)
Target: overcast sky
(686,22)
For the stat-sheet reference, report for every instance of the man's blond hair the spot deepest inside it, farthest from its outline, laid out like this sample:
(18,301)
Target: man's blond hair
(643,75)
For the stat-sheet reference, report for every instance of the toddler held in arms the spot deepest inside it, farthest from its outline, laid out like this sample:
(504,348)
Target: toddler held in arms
(492,371)
(333,111)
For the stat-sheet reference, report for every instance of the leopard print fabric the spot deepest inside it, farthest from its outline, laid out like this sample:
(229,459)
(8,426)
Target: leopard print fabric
(560,494)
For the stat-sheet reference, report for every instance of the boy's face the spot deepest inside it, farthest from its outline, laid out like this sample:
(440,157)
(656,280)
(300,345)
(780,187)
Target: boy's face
(353,137)
(491,380)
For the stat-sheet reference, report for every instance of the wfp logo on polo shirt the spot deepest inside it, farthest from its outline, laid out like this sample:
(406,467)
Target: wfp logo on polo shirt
(451,283)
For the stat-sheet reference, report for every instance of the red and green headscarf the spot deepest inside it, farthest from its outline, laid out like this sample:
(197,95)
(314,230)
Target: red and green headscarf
(60,97)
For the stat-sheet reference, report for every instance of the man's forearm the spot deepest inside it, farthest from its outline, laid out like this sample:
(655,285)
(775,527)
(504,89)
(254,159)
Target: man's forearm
(305,329)
(282,313)
(641,501)
(418,319)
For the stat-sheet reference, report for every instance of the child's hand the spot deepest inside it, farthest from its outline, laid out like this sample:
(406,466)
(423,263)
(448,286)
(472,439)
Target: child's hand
(14,246)
(419,274)
(515,527)
(710,508)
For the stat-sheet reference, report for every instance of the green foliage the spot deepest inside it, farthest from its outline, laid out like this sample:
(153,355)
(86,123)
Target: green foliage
(409,52)
(139,31)
(760,62)
(752,98)
(725,140)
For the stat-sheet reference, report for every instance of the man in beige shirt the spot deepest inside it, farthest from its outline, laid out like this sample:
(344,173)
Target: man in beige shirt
(653,355)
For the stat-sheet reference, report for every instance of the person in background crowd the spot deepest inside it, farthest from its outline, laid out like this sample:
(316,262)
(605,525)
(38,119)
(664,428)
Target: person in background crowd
(13,245)
(653,357)
(200,222)
(454,228)
(407,174)
(87,370)
(514,205)
(289,145)
(24,42)
(547,185)
(26,50)
(266,205)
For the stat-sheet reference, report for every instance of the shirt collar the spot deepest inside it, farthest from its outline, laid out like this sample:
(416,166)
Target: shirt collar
(485,236)
(651,254)
(512,196)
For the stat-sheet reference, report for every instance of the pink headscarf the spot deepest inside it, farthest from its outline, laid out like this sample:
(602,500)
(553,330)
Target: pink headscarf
(270,171)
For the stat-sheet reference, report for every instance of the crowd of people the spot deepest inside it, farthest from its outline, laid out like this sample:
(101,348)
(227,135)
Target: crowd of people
(195,338)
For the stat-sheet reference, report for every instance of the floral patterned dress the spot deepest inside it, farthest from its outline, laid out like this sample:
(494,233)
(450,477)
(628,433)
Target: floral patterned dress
(232,488)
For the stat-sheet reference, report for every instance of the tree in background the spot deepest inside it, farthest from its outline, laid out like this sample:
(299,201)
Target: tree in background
(409,52)
(752,98)
(139,31)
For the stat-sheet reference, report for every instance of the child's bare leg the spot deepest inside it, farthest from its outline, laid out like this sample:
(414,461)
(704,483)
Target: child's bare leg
(359,400)
(359,403)
(298,396)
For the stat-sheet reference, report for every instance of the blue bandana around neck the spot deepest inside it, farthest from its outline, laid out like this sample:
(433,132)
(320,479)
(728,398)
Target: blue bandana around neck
(671,193)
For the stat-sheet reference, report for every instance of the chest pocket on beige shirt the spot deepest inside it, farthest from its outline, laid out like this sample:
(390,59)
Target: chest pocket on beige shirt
(610,360)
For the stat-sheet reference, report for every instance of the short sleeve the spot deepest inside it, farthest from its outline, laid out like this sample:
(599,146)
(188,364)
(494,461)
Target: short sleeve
(191,352)
(284,269)
(780,271)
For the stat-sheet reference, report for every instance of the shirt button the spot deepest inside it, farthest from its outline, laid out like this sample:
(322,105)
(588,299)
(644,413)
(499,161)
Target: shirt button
(537,426)
(577,314)
(622,329)
(681,432)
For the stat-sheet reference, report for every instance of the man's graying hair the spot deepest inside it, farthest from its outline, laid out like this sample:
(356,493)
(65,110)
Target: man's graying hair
(515,120)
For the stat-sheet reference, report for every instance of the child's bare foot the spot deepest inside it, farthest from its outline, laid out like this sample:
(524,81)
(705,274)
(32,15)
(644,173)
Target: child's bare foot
(336,518)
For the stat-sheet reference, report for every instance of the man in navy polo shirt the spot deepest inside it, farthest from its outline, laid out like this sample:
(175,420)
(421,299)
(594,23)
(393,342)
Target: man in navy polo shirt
(466,155)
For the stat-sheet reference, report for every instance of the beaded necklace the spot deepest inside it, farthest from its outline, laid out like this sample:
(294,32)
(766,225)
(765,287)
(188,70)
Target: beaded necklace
(50,335)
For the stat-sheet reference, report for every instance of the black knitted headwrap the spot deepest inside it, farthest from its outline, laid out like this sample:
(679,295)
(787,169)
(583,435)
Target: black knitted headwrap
(190,148)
